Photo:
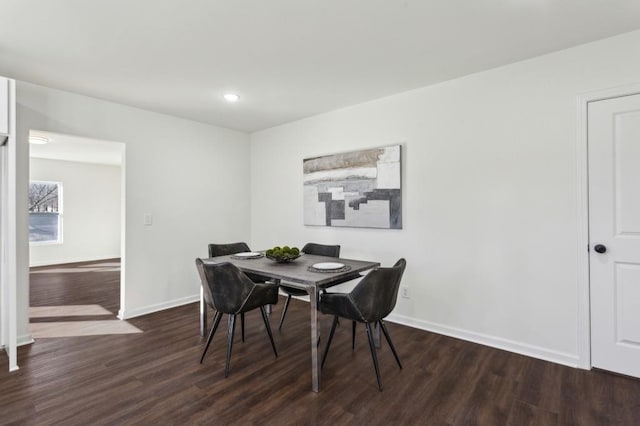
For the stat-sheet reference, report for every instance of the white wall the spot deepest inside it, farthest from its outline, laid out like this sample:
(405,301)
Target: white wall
(489,197)
(91,211)
(8,174)
(193,178)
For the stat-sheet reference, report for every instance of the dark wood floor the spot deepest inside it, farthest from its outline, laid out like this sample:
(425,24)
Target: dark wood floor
(77,284)
(86,283)
(155,378)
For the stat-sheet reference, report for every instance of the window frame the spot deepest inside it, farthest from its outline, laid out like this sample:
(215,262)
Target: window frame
(60,213)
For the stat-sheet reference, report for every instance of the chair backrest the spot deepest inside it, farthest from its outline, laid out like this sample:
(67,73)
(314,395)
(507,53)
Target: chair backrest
(206,290)
(225,286)
(376,295)
(225,249)
(321,250)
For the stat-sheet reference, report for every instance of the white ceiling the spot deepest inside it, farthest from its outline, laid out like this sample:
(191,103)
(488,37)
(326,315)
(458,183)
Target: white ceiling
(73,148)
(287,59)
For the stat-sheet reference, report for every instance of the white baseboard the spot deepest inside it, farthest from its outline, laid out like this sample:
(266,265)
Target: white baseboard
(557,357)
(72,260)
(25,339)
(149,309)
(11,368)
(571,360)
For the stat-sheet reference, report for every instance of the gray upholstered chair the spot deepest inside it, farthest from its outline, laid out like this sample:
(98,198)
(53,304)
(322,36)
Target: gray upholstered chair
(233,248)
(309,248)
(226,249)
(369,302)
(229,291)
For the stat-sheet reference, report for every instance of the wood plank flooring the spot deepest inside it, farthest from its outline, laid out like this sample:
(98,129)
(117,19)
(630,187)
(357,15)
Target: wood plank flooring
(155,377)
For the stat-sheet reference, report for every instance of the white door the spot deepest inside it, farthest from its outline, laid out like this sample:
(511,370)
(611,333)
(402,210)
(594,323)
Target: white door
(614,233)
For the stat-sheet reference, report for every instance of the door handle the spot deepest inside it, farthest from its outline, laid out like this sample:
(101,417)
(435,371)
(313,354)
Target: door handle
(600,248)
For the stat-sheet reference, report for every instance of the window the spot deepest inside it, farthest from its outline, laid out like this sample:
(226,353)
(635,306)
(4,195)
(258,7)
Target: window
(45,212)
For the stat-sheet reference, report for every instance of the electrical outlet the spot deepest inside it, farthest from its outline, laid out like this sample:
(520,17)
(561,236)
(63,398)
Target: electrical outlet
(405,292)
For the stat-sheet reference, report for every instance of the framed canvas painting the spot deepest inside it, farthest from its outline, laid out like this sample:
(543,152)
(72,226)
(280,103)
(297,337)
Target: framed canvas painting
(356,189)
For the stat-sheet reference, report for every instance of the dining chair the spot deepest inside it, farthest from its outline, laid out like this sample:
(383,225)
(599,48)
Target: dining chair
(233,248)
(369,302)
(309,248)
(229,291)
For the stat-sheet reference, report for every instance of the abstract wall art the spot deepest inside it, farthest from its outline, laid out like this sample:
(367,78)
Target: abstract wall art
(355,189)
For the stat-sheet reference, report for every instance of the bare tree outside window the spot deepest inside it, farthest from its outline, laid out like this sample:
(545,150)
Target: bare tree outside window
(45,212)
(43,197)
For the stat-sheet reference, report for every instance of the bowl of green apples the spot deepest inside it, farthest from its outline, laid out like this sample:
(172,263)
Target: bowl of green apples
(282,254)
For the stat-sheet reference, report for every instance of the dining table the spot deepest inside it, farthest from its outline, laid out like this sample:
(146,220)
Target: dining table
(299,273)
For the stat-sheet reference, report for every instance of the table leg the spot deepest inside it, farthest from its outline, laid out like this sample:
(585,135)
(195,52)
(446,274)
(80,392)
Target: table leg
(203,313)
(275,281)
(315,332)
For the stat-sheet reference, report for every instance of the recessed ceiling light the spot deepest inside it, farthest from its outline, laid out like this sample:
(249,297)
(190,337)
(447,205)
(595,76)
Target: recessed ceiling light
(38,140)
(231,97)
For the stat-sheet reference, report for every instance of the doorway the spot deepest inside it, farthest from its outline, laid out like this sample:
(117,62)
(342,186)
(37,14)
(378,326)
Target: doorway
(76,231)
(613,155)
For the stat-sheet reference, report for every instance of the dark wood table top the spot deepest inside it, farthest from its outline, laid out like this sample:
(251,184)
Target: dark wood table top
(296,271)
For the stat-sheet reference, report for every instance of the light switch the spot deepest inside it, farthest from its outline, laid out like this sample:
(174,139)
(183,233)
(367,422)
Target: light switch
(148,220)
